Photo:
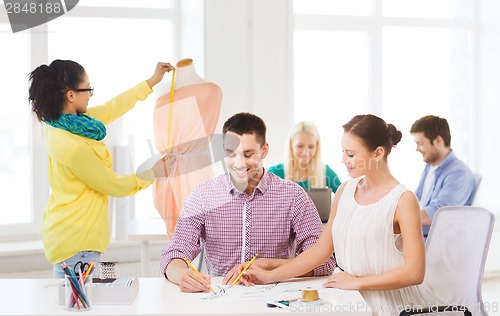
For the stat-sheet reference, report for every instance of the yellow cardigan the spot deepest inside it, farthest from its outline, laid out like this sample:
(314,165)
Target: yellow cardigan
(81,178)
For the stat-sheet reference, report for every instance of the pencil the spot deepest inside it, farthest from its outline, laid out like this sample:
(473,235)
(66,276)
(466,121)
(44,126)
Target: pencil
(195,270)
(244,269)
(87,272)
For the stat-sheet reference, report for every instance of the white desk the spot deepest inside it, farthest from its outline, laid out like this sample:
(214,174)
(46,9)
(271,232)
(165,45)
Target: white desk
(146,231)
(158,296)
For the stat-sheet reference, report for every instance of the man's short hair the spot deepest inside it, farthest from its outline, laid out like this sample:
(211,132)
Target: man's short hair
(433,126)
(246,123)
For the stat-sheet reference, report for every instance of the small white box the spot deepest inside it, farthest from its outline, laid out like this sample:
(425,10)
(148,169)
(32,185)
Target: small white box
(121,291)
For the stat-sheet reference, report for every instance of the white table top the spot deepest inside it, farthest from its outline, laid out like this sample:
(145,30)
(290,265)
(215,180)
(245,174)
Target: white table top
(158,296)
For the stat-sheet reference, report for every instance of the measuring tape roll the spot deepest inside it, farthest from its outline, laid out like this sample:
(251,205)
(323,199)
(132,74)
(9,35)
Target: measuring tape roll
(310,295)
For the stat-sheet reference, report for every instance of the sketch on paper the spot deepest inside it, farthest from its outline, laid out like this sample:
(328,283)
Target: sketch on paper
(279,291)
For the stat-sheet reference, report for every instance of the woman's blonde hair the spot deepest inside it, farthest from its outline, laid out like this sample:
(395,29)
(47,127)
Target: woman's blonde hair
(315,168)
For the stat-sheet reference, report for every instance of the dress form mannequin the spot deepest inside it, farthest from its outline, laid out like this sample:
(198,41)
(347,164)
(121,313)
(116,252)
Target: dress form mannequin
(185,74)
(183,129)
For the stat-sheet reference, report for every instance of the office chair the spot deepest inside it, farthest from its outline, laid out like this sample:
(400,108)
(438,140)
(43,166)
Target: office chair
(456,252)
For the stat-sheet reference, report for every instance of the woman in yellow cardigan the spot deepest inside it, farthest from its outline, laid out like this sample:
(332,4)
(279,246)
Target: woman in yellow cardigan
(75,222)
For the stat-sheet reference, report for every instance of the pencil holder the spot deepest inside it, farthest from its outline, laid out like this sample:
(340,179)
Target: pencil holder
(78,293)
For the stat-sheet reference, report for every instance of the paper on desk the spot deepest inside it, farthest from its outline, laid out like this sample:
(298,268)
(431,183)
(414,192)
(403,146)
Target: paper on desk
(276,291)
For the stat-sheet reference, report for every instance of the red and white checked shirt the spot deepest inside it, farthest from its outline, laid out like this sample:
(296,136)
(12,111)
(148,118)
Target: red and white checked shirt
(278,220)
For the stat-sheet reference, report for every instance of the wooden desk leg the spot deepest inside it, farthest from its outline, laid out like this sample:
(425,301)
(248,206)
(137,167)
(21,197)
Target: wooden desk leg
(144,258)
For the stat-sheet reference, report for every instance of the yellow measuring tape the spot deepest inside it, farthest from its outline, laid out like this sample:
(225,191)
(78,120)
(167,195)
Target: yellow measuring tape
(170,110)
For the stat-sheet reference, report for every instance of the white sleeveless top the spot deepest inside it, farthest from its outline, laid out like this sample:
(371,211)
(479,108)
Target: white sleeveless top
(365,244)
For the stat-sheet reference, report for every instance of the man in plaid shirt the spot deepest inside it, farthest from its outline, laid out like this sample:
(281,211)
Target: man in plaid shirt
(240,213)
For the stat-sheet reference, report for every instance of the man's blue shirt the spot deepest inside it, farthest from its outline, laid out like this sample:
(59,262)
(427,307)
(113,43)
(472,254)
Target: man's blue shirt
(454,185)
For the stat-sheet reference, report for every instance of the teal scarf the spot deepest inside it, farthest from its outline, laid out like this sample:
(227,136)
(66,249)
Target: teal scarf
(80,124)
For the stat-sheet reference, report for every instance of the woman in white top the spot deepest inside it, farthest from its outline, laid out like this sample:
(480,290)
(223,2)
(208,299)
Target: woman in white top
(372,217)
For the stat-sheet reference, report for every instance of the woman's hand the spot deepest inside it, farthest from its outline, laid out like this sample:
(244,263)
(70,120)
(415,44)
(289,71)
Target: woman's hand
(233,274)
(344,281)
(164,166)
(160,70)
(259,275)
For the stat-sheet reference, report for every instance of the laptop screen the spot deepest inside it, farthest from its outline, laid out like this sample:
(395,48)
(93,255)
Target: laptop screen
(322,198)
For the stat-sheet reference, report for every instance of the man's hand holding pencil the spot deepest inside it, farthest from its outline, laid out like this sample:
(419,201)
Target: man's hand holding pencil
(191,280)
(194,281)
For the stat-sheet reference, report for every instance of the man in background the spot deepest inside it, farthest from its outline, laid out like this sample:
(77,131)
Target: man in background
(446,180)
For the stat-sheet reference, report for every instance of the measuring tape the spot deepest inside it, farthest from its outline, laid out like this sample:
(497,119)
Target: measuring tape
(170,110)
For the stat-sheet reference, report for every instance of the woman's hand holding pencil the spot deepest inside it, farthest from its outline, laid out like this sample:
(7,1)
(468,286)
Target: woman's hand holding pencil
(236,273)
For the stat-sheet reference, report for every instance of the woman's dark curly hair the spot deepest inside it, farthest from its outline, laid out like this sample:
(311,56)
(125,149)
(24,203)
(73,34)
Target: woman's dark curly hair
(49,85)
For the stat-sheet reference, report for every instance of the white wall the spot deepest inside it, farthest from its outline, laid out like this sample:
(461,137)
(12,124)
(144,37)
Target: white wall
(488,114)
(247,53)
(489,111)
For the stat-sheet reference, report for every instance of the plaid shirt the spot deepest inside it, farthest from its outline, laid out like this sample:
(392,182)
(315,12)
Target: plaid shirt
(278,220)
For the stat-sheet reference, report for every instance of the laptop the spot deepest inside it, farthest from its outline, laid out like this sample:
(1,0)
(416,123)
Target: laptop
(322,198)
